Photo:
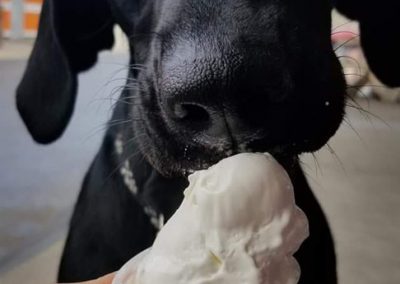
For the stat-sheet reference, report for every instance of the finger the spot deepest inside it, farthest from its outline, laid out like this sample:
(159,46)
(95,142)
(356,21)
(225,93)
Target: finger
(102,280)
(128,272)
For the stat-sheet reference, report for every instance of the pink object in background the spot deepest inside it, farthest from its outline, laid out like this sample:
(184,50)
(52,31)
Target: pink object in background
(360,80)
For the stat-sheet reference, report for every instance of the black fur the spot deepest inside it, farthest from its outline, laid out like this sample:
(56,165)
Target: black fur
(71,32)
(208,79)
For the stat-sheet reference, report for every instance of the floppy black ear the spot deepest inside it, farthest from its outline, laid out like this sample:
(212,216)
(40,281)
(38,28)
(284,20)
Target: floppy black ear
(71,33)
(380,34)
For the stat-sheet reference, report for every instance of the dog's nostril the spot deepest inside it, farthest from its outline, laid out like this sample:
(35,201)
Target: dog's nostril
(191,112)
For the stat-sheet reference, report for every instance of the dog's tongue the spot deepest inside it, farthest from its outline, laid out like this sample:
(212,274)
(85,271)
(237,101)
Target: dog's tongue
(238,224)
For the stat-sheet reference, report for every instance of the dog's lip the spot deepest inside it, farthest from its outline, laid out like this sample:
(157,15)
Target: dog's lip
(286,160)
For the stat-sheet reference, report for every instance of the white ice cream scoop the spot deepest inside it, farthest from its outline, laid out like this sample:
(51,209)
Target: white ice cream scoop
(238,223)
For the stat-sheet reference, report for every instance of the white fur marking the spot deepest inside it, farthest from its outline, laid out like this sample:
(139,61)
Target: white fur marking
(157,220)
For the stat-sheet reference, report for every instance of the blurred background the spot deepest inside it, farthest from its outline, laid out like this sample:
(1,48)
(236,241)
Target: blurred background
(356,176)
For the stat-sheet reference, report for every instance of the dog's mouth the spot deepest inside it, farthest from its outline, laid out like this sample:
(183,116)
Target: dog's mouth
(182,159)
(180,155)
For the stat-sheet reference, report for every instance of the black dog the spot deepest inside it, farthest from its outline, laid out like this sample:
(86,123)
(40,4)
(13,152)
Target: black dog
(209,78)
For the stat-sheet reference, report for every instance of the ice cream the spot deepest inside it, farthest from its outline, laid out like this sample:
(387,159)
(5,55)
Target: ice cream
(238,223)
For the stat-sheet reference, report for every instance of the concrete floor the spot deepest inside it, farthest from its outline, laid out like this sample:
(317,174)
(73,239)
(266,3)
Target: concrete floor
(39,184)
(358,185)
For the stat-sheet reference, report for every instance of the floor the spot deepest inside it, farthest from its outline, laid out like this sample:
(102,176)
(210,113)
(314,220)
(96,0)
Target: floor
(39,184)
(357,179)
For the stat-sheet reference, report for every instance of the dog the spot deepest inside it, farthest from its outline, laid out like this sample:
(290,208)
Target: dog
(207,79)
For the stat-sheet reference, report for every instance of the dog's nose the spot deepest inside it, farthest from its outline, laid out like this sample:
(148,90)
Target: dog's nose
(197,116)
(202,96)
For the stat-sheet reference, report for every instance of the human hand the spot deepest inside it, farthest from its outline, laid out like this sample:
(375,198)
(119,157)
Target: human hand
(102,280)
(125,275)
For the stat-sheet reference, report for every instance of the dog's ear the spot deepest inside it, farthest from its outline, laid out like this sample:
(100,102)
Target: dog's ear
(380,33)
(71,33)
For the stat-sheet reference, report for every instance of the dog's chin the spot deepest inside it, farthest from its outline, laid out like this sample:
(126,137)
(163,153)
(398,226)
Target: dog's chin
(174,159)
(179,160)
(180,167)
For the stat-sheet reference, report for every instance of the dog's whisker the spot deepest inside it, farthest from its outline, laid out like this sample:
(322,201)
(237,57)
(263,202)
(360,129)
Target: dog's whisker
(127,67)
(307,168)
(133,81)
(352,103)
(349,124)
(357,89)
(107,125)
(367,115)
(136,69)
(353,60)
(126,101)
(367,85)
(124,65)
(116,90)
(142,149)
(125,79)
(134,88)
(133,139)
(116,73)
(341,25)
(118,167)
(142,66)
(345,42)
(115,101)
(318,168)
(337,158)
(121,99)
(112,79)
(346,120)
(123,160)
